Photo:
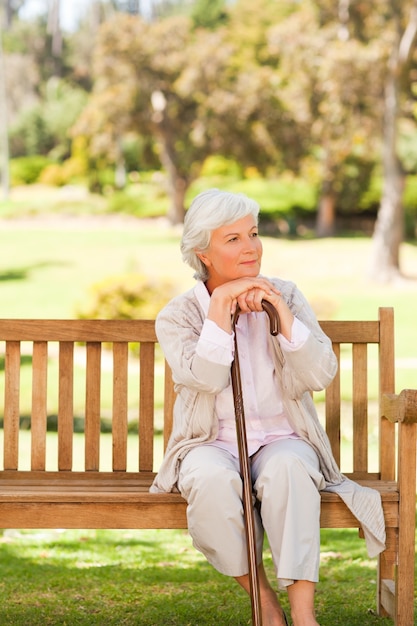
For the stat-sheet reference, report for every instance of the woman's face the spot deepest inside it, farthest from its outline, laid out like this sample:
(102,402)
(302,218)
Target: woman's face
(235,251)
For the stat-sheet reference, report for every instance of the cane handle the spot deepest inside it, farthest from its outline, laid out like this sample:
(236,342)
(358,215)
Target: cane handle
(270,310)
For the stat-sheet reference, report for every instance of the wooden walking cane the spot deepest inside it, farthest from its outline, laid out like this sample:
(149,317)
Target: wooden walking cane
(244,465)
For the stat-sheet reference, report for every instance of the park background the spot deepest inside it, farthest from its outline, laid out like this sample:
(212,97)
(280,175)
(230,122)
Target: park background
(110,123)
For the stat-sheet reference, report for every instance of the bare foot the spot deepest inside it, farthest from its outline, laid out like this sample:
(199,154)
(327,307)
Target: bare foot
(304,620)
(272,612)
(301,597)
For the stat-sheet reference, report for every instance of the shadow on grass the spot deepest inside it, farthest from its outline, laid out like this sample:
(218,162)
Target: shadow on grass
(37,592)
(22,273)
(152,578)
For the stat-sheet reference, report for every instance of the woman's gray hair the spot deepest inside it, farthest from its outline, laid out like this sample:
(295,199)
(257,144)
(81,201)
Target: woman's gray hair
(208,211)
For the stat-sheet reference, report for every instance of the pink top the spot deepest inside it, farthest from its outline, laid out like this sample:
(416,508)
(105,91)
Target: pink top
(265,416)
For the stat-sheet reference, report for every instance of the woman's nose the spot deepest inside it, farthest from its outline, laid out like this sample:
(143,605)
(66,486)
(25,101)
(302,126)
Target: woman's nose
(250,244)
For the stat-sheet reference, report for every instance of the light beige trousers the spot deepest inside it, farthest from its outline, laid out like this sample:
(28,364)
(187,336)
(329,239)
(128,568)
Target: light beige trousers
(286,482)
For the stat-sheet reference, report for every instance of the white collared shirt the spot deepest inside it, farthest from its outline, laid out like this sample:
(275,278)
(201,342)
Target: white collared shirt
(265,417)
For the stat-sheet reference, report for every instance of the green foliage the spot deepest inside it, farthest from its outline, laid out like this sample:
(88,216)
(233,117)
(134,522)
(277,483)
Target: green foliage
(100,176)
(209,13)
(63,104)
(30,134)
(353,183)
(410,206)
(218,165)
(123,202)
(372,195)
(127,296)
(407,145)
(44,128)
(26,170)
(282,196)
(139,153)
(145,198)
(286,195)
(59,174)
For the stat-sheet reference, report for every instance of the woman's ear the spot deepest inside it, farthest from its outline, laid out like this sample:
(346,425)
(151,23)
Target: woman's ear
(203,258)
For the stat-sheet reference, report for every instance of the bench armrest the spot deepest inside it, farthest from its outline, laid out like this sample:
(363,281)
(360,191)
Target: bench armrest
(400,408)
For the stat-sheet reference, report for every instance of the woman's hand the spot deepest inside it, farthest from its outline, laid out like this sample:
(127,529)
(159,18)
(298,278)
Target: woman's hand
(248,293)
(252,301)
(286,318)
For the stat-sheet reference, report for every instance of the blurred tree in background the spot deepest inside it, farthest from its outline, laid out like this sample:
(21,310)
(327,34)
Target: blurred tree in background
(318,90)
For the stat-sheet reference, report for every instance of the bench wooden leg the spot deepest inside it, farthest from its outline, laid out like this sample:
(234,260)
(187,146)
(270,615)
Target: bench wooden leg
(404,597)
(395,592)
(386,575)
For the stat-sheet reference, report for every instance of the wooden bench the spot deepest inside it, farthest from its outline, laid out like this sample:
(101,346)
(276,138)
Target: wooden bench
(103,492)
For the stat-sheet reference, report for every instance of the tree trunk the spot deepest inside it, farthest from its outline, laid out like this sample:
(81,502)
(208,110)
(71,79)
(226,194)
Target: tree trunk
(54,29)
(389,228)
(177,188)
(4,134)
(177,184)
(325,223)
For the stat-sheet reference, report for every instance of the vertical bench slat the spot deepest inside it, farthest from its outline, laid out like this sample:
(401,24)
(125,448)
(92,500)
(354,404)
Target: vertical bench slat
(169,399)
(333,409)
(386,385)
(65,405)
(39,405)
(146,406)
(406,537)
(92,406)
(119,422)
(11,405)
(360,406)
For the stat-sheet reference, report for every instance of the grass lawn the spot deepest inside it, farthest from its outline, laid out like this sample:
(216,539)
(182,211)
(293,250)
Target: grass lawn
(156,578)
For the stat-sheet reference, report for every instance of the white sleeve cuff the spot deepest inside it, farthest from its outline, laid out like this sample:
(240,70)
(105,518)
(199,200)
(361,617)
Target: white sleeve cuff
(299,335)
(215,344)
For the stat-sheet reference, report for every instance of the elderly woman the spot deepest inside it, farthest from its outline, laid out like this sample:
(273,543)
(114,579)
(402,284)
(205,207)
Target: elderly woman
(290,457)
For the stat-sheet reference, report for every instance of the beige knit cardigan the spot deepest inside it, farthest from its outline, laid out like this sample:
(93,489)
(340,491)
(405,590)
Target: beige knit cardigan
(197,381)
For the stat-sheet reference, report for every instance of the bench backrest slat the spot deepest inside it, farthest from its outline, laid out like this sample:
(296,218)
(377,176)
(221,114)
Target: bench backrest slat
(92,406)
(12,405)
(65,405)
(146,406)
(386,385)
(39,405)
(120,417)
(360,406)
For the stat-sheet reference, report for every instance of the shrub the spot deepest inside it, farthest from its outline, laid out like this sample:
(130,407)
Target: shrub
(218,165)
(142,200)
(127,296)
(26,170)
(52,175)
(59,174)
(410,206)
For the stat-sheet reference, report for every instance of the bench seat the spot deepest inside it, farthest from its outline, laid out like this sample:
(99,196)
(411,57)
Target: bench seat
(27,496)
